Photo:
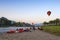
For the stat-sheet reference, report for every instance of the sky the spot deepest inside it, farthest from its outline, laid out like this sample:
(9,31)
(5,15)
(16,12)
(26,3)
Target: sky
(30,10)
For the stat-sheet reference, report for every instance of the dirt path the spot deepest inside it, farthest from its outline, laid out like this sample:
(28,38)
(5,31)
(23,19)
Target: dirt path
(34,35)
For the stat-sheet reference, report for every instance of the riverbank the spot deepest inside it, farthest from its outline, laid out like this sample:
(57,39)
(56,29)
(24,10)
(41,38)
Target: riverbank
(33,35)
(55,30)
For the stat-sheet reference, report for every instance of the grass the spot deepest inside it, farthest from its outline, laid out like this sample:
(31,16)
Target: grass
(52,29)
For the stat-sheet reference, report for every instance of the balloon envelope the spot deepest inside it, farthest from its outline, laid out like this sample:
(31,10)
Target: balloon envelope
(49,13)
(32,23)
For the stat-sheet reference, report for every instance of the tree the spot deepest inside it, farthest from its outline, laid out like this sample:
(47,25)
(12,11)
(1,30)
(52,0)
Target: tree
(57,21)
(53,22)
(19,24)
(5,22)
(45,23)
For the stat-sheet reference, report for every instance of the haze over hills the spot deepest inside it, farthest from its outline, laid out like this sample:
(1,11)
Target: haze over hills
(38,24)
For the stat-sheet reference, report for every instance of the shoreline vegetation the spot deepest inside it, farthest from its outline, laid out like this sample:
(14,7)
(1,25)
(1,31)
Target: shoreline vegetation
(4,22)
(52,27)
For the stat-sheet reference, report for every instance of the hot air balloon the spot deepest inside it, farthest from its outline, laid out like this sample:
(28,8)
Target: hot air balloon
(49,13)
(32,23)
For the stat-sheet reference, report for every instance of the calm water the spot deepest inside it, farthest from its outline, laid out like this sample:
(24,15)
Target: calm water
(12,28)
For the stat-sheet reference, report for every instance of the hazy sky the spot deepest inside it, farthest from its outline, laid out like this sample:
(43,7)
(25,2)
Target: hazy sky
(30,10)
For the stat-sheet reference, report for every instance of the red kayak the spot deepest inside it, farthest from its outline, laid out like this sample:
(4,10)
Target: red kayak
(11,31)
(20,30)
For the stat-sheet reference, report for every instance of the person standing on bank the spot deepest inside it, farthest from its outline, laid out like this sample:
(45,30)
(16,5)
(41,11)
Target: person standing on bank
(33,26)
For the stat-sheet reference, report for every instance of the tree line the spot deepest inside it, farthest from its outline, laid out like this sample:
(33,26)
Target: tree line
(4,22)
(53,22)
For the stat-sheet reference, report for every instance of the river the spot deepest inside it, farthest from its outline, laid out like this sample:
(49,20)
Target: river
(5,29)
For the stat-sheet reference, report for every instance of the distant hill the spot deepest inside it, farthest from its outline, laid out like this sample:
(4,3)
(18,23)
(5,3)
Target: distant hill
(38,24)
(4,22)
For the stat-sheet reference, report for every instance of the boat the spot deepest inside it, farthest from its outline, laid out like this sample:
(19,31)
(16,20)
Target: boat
(11,31)
(21,30)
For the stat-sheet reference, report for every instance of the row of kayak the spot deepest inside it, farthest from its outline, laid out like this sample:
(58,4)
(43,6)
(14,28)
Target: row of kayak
(19,31)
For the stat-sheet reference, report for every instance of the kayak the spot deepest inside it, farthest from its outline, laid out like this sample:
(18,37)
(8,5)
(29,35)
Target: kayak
(27,30)
(20,30)
(11,31)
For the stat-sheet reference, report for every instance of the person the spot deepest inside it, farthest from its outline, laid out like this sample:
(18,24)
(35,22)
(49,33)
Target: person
(33,28)
(17,29)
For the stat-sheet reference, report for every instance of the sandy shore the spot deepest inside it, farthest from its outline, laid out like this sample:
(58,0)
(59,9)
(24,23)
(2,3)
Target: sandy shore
(34,35)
